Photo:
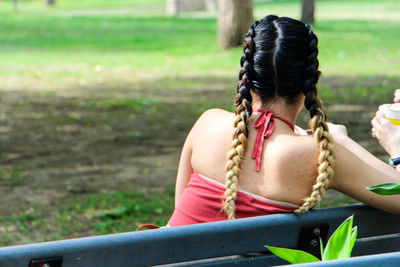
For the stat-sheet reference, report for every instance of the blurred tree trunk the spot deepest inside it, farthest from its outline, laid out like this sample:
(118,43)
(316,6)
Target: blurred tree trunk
(49,2)
(15,6)
(307,11)
(235,17)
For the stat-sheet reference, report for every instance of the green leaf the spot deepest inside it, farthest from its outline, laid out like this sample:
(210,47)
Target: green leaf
(353,237)
(321,246)
(292,255)
(386,189)
(339,245)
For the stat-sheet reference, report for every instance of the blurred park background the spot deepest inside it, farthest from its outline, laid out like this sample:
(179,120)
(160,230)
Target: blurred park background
(97,96)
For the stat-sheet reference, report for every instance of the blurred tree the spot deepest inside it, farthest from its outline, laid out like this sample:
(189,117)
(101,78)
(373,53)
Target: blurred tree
(49,2)
(15,5)
(175,7)
(307,11)
(234,19)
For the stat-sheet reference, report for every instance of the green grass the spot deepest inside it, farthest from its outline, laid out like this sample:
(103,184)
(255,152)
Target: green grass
(385,10)
(114,212)
(51,49)
(35,5)
(96,214)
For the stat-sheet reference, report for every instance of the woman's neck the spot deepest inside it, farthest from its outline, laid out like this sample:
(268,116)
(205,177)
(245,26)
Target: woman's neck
(280,108)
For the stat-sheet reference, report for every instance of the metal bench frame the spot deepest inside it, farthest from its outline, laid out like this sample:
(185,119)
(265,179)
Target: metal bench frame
(239,242)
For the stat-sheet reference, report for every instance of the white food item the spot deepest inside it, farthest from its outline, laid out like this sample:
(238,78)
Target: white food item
(393,112)
(395,107)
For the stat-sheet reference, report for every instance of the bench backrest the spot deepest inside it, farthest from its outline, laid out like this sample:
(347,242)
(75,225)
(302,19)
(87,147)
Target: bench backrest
(218,243)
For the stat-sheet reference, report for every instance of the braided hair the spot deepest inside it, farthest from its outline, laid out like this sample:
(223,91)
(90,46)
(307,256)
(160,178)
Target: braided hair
(279,59)
(243,112)
(326,159)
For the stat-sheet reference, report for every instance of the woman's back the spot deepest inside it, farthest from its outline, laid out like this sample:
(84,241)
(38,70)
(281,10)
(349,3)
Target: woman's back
(288,166)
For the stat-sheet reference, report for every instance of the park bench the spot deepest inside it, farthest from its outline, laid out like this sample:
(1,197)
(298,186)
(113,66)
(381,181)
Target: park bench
(237,242)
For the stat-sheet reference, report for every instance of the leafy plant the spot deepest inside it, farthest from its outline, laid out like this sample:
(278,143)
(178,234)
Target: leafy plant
(385,189)
(293,255)
(339,246)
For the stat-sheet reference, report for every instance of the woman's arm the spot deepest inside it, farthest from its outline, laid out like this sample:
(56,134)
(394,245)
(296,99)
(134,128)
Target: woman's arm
(356,169)
(207,121)
(184,169)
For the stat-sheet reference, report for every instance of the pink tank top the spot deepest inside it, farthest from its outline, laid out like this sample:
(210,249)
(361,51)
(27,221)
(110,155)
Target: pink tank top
(202,199)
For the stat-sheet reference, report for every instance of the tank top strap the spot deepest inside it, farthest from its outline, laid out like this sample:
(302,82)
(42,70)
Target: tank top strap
(265,125)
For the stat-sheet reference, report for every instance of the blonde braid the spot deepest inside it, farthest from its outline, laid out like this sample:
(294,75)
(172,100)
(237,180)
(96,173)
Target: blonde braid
(326,159)
(243,112)
(235,155)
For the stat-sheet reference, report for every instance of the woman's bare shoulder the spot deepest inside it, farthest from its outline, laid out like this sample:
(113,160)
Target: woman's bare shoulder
(216,113)
(215,119)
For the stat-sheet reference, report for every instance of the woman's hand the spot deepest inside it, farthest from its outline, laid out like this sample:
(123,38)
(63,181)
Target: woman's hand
(387,133)
(397,96)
